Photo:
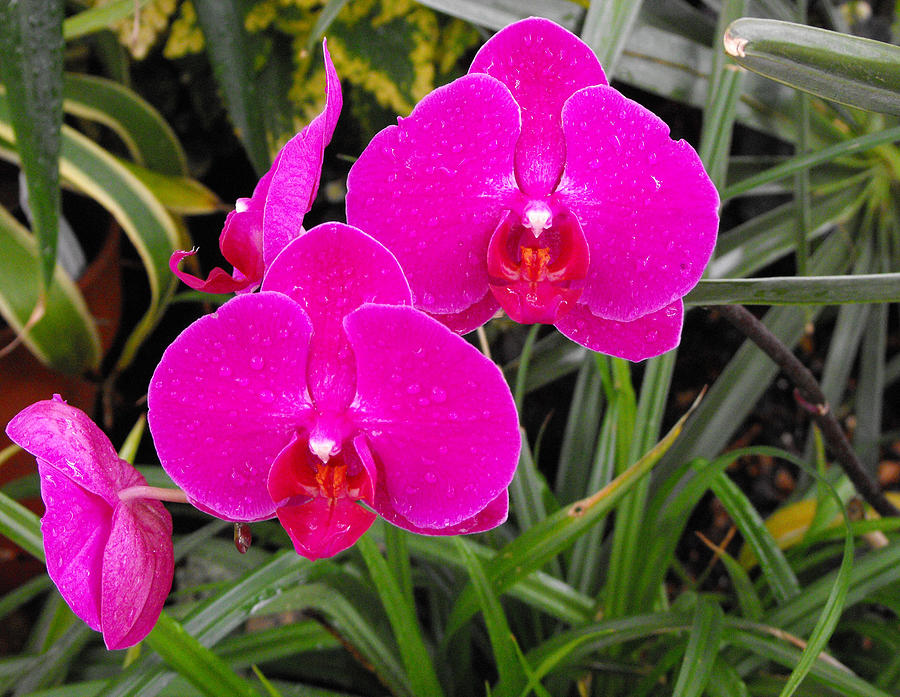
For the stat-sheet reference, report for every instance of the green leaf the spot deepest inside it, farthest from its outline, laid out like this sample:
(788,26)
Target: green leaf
(812,159)
(781,577)
(401,612)
(181,195)
(606,28)
(702,649)
(512,676)
(149,139)
(31,44)
(228,46)
(100,17)
(21,526)
(532,549)
(355,628)
(195,662)
(65,312)
(496,14)
(843,68)
(213,619)
(792,290)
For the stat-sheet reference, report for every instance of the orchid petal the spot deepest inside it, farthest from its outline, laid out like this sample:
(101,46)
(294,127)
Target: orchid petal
(431,188)
(489,517)
(225,399)
(75,527)
(138,566)
(647,207)
(331,270)
(542,64)
(472,317)
(644,337)
(66,438)
(438,415)
(298,169)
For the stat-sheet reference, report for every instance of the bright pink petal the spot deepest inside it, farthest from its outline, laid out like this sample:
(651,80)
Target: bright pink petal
(647,207)
(66,438)
(138,565)
(298,170)
(431,189)
(225,399)
(542,64)
(644,337)
(330,271)
(439,416)
(489,517)
(75,528)
(472,317)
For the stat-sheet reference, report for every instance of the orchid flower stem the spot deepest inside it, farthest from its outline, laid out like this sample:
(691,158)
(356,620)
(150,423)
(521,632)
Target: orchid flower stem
(814,401)
(152,492)
(483,342)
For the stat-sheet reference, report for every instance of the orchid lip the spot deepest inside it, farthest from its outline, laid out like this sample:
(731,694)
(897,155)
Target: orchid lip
(537,277)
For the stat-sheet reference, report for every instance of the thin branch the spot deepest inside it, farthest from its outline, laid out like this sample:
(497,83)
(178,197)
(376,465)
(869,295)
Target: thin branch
(811,398)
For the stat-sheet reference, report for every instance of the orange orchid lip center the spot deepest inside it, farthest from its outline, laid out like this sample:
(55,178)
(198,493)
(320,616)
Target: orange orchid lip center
(536,264)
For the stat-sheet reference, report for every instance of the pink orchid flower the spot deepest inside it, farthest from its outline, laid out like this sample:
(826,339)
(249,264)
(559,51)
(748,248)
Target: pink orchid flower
(108,547)
(328,390)
(531,185)
(282,197)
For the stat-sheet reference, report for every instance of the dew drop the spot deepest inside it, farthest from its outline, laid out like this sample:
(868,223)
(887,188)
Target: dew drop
(225,371)
(430,477)
(257,363)
(414,388)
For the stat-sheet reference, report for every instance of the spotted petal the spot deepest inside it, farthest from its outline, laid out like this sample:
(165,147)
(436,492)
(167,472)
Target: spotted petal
(542,64)
(331,270)
(644,337)
(647,207)
(431,189)
(438,415)
(225,399)
(298,169)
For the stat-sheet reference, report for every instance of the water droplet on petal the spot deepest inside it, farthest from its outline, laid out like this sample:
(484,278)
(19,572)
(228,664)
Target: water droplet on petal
(257,363)
(430,477)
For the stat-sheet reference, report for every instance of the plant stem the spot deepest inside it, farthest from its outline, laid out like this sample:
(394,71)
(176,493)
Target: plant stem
(813,400)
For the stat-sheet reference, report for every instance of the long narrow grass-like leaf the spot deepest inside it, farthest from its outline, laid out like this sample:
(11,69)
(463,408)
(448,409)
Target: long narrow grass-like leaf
(792,290)
(580,434)
(607,25)
(150,140)
(100,17)
(352,626)
(228,47)
(496,14)
(811,159)
(31,44)
(535,547)
(512,676)
(721,101)
(21,526)
(841,680)
(195,662)
(847,69)
(529,495)
(747,374)
(746,249)
(778,572)
(65,314)
(702,649)
(401,612)
(213,619)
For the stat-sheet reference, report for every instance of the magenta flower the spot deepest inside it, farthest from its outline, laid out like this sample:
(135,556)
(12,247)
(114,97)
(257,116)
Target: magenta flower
(326,391)
(108,549)
(282,197)
(531,185)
